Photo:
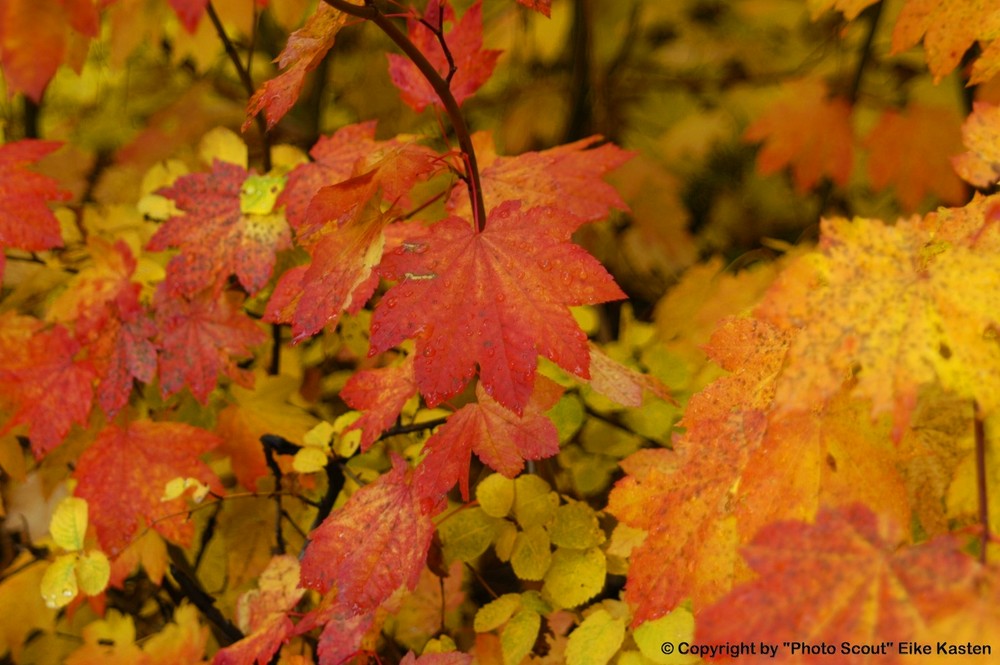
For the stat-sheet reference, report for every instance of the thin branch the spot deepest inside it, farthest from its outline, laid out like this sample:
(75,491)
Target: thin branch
(371,13)
(180,570)
(874,13)
(272,464)
(984,503)
(415,427)
(274,367)
(244,76)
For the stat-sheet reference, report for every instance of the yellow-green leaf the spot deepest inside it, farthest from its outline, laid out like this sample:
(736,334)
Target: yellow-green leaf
(534,501)
(595,640)
(675,627)
(568,416)
(575,576)
(309,460)
(505,538)
(69,523)
(59,581)
(496,495)
(93,572)
(519,635)
(576,526)
(532,554)
(467,534)
(259,194)
(496,613)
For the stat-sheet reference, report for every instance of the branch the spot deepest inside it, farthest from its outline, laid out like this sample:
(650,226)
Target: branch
(874,13)
(189,586)
(244,75)
(371,13)
(984,504)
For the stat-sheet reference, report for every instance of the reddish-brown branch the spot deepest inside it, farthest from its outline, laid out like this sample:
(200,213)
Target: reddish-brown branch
(372,13)
(984,504)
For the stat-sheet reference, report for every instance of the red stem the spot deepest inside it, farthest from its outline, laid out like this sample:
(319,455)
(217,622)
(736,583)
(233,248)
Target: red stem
(372,13)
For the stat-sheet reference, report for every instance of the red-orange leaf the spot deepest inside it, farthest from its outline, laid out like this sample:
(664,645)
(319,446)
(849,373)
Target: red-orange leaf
(201,337)
(189,12)
(500,438)
(842,579)
(375,543)
(25,220)
(305,49)
(807,131)
(495,299)
(381,394)
(542,6)
(568,177)
(215,237)
(473,64)
(124,472)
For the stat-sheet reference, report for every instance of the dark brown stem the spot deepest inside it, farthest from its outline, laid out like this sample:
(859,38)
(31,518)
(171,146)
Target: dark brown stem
(244,75)
(984,504)
(274,367)
(189,586)
(874,13)
(371,13)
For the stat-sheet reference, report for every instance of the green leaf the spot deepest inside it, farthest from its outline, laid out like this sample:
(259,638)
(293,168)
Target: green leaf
(568,416)
(496,495)
(259,194)
(69,523)
(532,554)
(506,537)
(518,637)
(467,534)
(59,581)
(575,576)
(675,627)
(496,613)
(93,572)
(595,640)
(576,526)
(534,501)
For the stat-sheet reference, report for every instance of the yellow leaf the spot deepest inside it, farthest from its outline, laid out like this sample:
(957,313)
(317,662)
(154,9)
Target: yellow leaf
(59,582)
(496,613)
(506,537)
(345,444)
(69,523)
(519,635)
(309,460)
(576,527)
(467,534)
(575,576)
(675,627)
(92,572)
(532,554)
(534,501)
(177,487)
(225,145)
(23,609)
(320,436)
(596,640)
(495,495)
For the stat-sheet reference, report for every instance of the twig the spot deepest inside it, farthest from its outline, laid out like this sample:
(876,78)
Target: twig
(874,13)
(272,464)
(984,503)
(189,586)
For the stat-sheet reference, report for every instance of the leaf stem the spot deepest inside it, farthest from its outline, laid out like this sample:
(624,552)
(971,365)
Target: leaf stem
(244,74)
(372,13)
(984,504)
(874,13)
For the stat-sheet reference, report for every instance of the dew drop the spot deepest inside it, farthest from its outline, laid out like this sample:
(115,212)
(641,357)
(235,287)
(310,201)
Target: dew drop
(391,302)
(428,352)
(501,297)
(545,265)
(566,278)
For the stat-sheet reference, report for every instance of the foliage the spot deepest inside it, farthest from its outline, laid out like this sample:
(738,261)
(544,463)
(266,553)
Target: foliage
(495,331)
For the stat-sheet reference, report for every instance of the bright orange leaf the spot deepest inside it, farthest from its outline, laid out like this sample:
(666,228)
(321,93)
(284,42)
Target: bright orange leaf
(948,30)
(808,131)
(495,299)
(981,135)
(137,462)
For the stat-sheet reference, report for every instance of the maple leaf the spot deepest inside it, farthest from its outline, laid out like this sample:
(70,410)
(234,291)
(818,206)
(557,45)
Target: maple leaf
(542,6)
(851,580)
(850,8)
(497,299)
(740,466)
(948,30)
(911,150)
(36,36)
(807,131)
(200,337)
(189,12)
(981,135)
(137,462)
(215,236)
(305,49)
(381,394)
(500,438)
(25,220)
(42,382)
(620,383)
(899,306)
(473,64)
(377,542)
(568,177)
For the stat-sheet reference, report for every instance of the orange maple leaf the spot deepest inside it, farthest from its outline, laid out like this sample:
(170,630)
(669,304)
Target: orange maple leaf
(911,150)
(377,542)
(122,475)
(806,130)
(981,135)
(500,438)
(948,29)
(473,64)
(842,579)
(495,299)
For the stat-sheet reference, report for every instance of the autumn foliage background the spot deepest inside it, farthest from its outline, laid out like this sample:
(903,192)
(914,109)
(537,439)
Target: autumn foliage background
(496,331)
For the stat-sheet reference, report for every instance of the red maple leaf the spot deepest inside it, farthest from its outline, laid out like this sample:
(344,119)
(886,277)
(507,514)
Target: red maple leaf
(381,394)
(377,542)
(542,6)
(304,50)
(495,299)
(499,437)
(25,220)
(189,12)
(200,337)
(568,177)
(122,475)
(215,237)
(473,64)
(36,36)
(844,578)
(42,382)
